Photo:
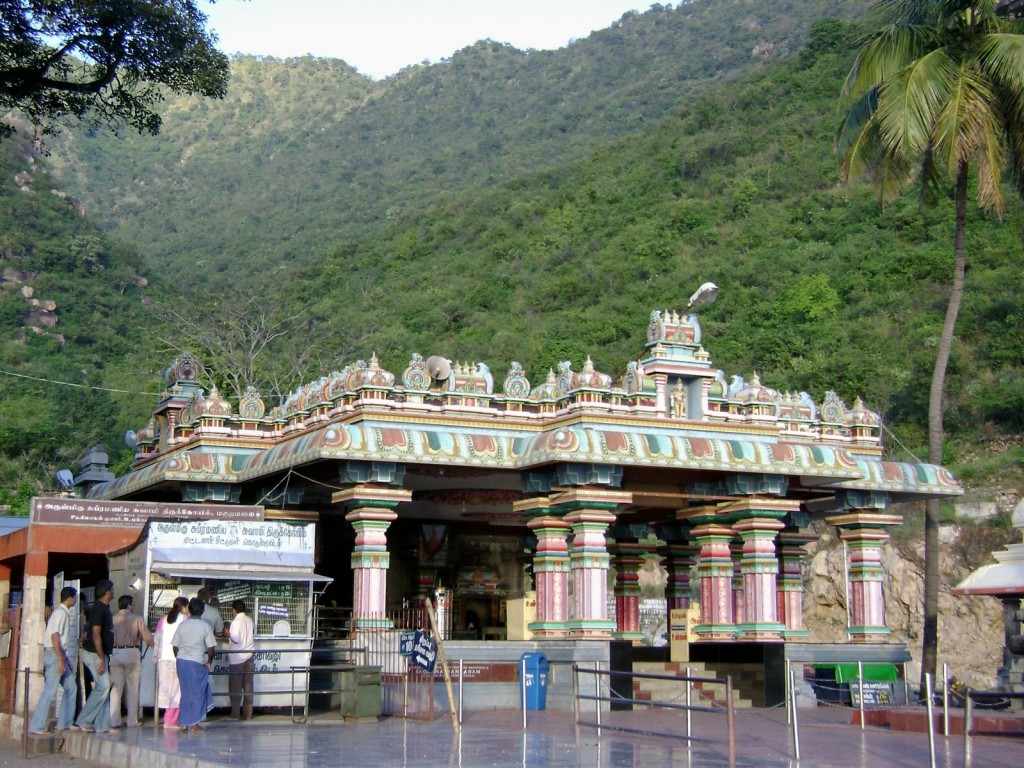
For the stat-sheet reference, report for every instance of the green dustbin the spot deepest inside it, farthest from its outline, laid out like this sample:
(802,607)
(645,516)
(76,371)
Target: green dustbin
(360,692)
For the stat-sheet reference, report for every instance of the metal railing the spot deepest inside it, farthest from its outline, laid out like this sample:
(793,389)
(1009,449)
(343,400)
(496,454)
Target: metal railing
(687,680)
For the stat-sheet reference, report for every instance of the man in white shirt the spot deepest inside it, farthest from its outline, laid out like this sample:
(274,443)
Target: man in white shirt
(211,613)
(243,665)
(57,668)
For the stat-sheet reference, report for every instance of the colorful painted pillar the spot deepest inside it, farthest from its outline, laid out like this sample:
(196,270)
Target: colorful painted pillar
(550,567)
(739,608)
(590,511)
(371,511)
(713,537)
(758,522)
(627,557)
(678,555)
(791,584)
(864,534)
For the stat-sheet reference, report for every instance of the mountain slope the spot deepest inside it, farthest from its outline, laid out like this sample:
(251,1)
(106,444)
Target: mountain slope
(306,153)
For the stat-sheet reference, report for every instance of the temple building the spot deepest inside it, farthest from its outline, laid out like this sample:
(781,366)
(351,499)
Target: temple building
(441,478)
(573,472)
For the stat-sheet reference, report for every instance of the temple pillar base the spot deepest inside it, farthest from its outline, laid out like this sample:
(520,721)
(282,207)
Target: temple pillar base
(590,629)
(636,638)
(548,630)
(715,631)
(868,634)
(767,632)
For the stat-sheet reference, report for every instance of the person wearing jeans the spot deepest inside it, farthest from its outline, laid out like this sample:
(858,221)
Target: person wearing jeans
(57,669)
(96,647)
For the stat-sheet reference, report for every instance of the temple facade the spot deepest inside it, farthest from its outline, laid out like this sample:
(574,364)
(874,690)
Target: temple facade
(441,478)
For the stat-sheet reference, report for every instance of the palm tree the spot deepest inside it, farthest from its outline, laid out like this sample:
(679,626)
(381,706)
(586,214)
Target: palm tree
(938,94)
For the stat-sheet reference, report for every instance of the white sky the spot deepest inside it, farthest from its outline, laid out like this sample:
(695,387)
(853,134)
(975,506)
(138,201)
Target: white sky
(379,37)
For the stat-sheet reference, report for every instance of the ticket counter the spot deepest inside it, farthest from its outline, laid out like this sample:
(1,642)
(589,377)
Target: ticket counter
(269,565)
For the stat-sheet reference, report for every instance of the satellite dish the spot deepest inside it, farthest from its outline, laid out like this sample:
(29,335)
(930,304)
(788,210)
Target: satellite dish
(438,367)
(704,295)
(130,438)
(66,479)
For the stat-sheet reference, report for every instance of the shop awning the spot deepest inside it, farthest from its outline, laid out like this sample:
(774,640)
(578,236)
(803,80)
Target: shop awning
(239,574)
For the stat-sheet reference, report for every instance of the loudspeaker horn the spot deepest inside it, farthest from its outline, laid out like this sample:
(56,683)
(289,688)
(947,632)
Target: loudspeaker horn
(438,367)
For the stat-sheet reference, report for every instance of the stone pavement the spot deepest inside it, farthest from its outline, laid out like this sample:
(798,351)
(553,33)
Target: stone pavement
(496,738)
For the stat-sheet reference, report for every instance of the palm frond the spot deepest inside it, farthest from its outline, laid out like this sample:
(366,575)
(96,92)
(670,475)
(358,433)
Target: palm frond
(886,54)
(1001,55)
(967,125)
(909,102)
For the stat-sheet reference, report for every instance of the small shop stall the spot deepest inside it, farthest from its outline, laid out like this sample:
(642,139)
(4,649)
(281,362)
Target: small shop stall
(267,564)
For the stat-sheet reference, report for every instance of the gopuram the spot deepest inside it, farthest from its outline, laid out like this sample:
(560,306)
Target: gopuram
(438,477)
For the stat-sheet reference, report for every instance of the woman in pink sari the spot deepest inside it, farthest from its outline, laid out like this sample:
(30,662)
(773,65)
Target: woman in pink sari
(166,665)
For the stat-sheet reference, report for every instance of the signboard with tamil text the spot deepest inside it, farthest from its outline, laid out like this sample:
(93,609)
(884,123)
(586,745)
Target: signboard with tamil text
(131,514)
(424,651)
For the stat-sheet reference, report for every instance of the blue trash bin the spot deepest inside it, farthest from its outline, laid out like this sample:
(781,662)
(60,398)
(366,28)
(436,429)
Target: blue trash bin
(534,667)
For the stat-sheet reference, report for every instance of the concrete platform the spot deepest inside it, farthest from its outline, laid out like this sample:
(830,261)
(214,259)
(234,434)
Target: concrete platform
(496,738)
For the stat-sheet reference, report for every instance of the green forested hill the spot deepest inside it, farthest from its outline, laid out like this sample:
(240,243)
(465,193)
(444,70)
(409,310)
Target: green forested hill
(510,206)
(306,153)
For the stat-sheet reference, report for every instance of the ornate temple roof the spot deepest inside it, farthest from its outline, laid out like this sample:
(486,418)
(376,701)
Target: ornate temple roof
(672,417)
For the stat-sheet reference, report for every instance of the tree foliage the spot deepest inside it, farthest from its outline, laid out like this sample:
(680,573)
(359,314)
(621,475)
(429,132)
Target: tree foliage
(107,62)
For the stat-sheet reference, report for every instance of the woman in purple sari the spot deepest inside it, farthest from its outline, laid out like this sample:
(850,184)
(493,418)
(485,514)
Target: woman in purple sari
(194,646)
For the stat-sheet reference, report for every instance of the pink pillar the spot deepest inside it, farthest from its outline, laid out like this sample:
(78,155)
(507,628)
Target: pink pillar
(589,562)
(759,568)
(739,607)
(551,576)
(627,559)
(791,584)
(864,534)
(371,514)
(715,570)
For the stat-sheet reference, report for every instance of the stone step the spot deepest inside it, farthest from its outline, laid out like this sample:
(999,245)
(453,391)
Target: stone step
(647,689)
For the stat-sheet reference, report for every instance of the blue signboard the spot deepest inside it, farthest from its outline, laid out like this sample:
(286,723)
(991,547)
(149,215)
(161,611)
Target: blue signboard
(406,642)
(424,651)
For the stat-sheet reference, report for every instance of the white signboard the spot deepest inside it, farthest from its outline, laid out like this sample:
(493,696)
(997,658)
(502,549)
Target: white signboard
(233,541)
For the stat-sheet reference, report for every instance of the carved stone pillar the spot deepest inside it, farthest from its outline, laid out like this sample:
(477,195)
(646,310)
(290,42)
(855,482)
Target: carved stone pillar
(550,568)
(739,608)
(715,572)
(759,568)
(371,513)
(627,559)
(590,512)
(865,535)
(791,584)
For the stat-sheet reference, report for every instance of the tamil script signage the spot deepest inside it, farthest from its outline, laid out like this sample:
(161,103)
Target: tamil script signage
(230,540)
(132,514)
(270,589)
(424,651)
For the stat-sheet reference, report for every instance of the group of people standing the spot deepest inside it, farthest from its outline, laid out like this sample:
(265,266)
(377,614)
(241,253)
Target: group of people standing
(184,647)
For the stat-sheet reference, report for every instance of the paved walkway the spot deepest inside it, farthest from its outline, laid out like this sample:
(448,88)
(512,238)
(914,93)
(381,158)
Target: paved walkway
(496,738)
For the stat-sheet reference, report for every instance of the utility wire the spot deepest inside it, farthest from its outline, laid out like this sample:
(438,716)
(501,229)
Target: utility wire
(78,386)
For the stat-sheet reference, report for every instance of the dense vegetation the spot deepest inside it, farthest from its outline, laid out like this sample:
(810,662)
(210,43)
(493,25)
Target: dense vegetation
(507,206)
